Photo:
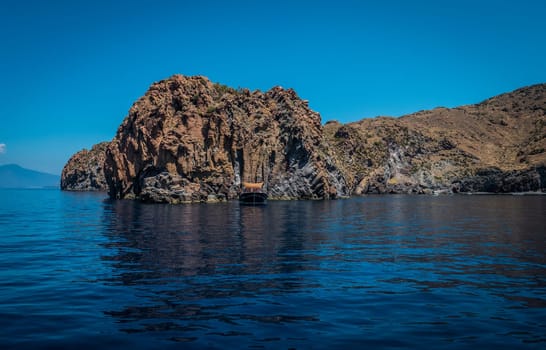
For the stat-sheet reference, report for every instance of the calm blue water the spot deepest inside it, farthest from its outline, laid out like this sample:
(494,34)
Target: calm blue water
(80,271)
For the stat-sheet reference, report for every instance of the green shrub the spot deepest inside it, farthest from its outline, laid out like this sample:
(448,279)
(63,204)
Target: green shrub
(224,89)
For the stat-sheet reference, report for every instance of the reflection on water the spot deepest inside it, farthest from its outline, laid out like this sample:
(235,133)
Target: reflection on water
(385,271)
(78,271)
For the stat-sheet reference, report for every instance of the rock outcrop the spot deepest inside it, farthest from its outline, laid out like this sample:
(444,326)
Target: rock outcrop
(494,180)
(494,146)
(84,171)
(190,140)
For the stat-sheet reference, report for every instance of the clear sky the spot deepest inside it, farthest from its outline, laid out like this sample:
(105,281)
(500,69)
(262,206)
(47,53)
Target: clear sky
(70,70)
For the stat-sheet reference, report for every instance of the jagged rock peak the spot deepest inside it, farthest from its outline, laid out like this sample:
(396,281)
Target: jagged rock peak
(188,139)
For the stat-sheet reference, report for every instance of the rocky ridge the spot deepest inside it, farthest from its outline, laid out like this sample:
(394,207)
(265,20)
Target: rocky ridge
(190,140)
(495,146)
(84,171)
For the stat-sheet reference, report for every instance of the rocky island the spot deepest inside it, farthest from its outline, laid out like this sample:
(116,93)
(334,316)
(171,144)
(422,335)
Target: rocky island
(191,140)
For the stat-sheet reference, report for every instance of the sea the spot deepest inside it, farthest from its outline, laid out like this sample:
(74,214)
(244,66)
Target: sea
(80,271)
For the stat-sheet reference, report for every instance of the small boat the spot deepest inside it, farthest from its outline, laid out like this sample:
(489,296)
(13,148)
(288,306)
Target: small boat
(253,193)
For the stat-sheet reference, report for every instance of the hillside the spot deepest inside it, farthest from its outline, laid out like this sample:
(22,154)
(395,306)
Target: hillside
(188,139)
(497,145)
(14,176)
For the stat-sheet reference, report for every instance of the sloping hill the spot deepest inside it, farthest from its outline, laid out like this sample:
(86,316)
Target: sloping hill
(497,145)
(189,139)
(14,176)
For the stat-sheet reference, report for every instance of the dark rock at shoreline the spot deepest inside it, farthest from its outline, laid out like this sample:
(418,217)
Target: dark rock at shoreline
(497,181)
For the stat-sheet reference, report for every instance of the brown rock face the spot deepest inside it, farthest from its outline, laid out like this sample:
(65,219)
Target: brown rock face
(85,170)
(494,146)
(189,140)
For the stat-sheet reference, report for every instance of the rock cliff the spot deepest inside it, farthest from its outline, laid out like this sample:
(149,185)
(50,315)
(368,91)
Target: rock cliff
(188,139)
(494,146)
(84,171)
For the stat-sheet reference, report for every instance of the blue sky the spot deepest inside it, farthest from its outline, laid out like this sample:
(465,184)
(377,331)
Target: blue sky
(71,69)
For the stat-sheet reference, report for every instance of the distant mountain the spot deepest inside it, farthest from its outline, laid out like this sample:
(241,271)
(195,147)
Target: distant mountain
(14,176)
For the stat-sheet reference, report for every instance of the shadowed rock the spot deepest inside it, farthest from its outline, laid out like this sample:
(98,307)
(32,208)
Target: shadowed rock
(84,171)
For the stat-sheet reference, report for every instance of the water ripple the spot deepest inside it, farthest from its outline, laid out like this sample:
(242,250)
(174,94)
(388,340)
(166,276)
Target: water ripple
(376,272)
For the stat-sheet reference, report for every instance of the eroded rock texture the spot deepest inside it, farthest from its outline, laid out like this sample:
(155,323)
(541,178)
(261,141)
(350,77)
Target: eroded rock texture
(188,139)
(84,171)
